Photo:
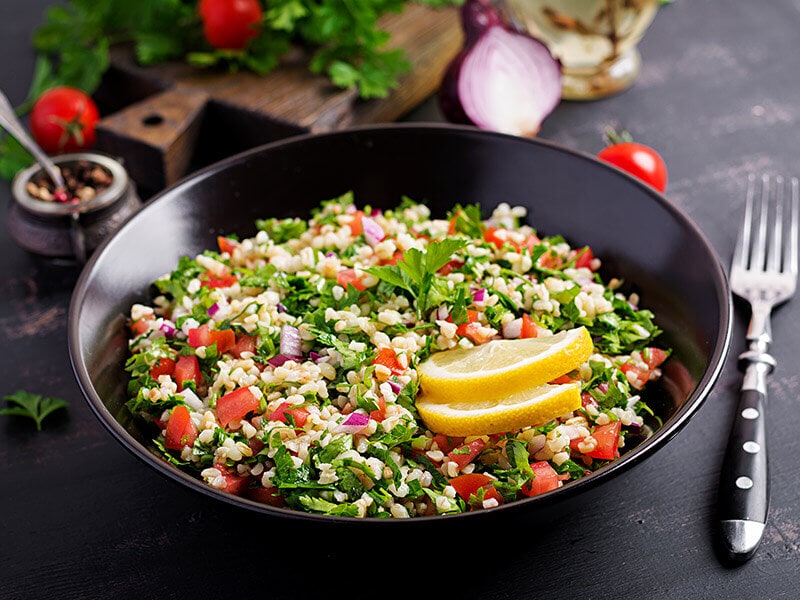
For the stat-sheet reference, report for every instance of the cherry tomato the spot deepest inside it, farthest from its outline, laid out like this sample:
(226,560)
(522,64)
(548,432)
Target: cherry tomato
(63,119)
(230,24)
(639,160)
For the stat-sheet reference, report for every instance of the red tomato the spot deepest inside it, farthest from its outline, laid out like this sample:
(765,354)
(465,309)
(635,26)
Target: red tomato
(225,339)
(244,343)
(545,479)
(528,327)
(210,280)
(347,277)
(639,160)
(607,437)
(226,244)
(654,357)
(388,358)
(469,484)
(446,442)
(298,413)
(163,366)
(584,258)
(464,454)
(234,483)
(269,495)
(235,405)
(450,267)
(473,332)
(564,379)
(63,119)
(230,24)
(187,369)
(181,430)
(380,413)
(357,225)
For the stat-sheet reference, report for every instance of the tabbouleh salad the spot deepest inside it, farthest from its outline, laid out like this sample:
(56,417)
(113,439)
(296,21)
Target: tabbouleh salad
(282,368)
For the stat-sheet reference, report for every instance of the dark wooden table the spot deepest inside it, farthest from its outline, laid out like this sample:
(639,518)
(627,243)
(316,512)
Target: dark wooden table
(719,96)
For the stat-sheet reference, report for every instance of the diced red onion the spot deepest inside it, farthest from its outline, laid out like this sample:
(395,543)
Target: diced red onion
(279,359)
(479,296)
(281,308)
(291,342)
(168,329)
(503,79)
(396,387)
(513,329)
(315,356)
(442,313)
(373,232)
(213,309)
(354,423)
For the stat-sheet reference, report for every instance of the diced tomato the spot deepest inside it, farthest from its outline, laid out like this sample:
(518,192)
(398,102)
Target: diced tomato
(654,357)
(465,454)
(347,277)
(588,400)
(379,414)
(499,236)
(388,358)
(235,405)
(204,336)
(181,430)
(226,244)
(396,258)
(491,236)
(584,259)
(269,495)
(474,332)
(450,266)
(529,329)
(469,484)
(299,414)
(234,484)
(566,378)
(163,366)
(256,445)
(607,437)
(187,368)
(244,343)
(545,479)
(451,228)
(142,325)
(446,443)
(637,376)
(530,243)
(357,225)
(209,280)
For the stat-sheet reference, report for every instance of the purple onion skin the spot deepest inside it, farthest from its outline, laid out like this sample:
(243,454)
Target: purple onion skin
(449,102)
(476,17)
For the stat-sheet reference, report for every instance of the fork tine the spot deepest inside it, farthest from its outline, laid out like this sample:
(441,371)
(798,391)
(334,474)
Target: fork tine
(760,244)
(742,249)
(774,254)
(792,247)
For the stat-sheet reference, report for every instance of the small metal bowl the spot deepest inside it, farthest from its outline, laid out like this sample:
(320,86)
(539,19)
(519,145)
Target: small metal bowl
(67,230)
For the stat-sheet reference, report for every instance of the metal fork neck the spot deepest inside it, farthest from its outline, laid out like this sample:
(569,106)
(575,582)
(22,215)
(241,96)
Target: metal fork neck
(757,362)
(759,333)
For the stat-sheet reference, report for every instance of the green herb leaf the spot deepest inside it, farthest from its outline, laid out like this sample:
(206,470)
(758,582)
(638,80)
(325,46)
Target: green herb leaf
(33,406)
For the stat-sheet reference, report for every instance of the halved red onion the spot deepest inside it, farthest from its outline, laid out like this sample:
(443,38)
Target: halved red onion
(373,232)
(354,423)
(502,80)
(291,342)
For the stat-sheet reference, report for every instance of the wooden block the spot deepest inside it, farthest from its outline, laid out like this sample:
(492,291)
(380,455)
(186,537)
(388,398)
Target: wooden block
(157,136)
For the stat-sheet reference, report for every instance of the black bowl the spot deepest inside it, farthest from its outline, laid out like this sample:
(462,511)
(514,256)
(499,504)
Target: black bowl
(639,235)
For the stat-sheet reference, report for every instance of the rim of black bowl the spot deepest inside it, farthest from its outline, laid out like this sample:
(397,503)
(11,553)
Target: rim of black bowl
(659,439)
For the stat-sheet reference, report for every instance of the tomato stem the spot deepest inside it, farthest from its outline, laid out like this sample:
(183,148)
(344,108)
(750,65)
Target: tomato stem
(613,135)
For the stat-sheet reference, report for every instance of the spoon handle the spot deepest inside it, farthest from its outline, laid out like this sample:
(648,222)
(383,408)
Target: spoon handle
(10,122)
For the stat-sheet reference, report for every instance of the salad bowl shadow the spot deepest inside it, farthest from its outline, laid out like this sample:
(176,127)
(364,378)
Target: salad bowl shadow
(640,236)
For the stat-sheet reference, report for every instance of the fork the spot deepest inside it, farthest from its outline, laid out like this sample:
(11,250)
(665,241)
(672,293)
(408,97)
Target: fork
(764,273)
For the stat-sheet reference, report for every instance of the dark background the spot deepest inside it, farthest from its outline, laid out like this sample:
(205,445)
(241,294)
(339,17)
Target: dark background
(719,97)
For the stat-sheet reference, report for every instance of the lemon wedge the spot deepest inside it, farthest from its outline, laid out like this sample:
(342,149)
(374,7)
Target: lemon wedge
(507,413)
(502,367)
